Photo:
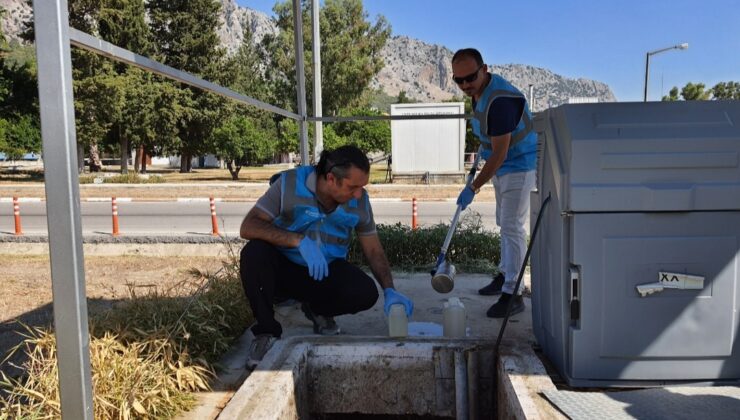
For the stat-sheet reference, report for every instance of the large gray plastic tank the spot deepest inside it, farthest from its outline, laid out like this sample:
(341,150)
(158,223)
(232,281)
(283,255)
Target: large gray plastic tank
(635,267)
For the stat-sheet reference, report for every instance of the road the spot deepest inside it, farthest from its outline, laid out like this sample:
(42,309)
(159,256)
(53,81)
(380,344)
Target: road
(193,217)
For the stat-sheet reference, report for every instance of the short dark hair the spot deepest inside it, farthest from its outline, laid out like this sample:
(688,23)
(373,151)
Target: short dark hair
(468,53)
(340,160)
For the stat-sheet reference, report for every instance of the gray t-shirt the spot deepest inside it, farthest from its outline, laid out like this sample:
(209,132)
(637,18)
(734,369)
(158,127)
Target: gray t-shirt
(270,204)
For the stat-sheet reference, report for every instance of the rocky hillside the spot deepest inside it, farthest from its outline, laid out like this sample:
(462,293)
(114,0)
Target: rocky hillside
(422,70)
(16,12)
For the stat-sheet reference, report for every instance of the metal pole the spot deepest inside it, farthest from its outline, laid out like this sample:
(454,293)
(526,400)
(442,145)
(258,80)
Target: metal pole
(531,97)
(317,111)
(63,207)
(301,79)
(647,76)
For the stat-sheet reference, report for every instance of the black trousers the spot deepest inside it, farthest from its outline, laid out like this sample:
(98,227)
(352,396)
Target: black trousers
(268,275)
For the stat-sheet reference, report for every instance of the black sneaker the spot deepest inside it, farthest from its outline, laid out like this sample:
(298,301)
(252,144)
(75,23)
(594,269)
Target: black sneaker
(498,309)
(493,288)
(324,325)
(259,346)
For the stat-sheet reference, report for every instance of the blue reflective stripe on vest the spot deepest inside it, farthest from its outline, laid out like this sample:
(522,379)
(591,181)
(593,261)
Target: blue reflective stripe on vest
(299,212)
(522,153)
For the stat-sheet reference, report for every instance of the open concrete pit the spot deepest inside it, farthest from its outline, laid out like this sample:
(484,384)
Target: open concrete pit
(368,378)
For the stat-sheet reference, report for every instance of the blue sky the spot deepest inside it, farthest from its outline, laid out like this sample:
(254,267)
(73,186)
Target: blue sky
(604,40)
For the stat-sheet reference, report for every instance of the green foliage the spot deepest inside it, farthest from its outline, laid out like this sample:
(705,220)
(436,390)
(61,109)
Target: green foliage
(726,90)
(350,53)
(184,33)
(20,136)
(133,178)
(672,95)
(404,99)
(239,142)
(369,136)
(695,92)
(472,248)
(123,23)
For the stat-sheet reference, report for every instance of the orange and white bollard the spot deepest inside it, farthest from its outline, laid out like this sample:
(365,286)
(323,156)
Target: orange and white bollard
(17,215)
(114,206)
(214,223)
(414,225)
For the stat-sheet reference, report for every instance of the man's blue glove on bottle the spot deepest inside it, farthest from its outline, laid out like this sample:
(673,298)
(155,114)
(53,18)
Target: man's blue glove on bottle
(311,253)
(466,197)
(392,297)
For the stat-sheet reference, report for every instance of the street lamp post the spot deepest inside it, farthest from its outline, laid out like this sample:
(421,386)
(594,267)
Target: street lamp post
(683,46)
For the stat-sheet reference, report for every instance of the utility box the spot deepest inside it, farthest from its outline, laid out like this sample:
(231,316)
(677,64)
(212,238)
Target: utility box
(428,150)
(635,267)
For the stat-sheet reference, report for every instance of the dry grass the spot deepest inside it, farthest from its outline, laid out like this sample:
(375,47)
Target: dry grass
(148,353)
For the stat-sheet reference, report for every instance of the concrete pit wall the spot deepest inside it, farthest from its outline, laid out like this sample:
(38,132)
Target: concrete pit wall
(311,377)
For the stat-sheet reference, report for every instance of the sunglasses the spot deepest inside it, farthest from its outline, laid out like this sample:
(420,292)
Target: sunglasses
(469,78)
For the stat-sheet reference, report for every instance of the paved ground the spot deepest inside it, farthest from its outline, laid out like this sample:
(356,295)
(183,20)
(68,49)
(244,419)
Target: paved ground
(427,308)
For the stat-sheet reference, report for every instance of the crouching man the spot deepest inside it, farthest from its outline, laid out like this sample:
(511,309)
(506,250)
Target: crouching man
(299,234)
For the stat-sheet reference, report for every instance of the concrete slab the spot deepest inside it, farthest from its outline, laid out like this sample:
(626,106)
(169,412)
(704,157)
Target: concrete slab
(520,387)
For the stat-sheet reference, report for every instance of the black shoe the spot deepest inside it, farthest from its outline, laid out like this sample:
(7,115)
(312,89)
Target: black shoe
(324,325)
(498,309)
(493,288)
(259,346)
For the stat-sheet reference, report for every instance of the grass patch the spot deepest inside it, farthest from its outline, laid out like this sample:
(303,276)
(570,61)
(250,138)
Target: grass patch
(129,178)
(148,354)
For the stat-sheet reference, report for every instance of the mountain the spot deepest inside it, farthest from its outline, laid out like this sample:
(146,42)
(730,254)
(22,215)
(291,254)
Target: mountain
(420,69)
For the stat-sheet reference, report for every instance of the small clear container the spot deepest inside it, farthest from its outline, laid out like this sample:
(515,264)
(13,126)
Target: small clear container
(398,323)
(453,318)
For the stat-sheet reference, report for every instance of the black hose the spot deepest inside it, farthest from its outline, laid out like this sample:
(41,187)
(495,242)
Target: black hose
(521,275)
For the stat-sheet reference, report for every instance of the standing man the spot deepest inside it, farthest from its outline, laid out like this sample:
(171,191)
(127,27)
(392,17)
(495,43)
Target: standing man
(299,234)
(508,143)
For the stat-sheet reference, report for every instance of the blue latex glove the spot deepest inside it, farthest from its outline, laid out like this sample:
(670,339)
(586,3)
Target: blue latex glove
(311,253)
(392,297)
(466,197)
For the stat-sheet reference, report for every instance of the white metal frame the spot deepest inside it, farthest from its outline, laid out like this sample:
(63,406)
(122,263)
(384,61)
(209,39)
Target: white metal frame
(53,40)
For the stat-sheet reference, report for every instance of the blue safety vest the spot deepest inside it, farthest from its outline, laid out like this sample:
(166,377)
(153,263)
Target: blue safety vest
(522,153)
(300,212)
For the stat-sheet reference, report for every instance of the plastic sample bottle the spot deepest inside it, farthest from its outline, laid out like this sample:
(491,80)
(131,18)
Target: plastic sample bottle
(453,318)
(398,323)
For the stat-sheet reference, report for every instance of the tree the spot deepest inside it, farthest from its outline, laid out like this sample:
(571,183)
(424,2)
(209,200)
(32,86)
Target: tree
(239,142)
(22,136)
(690,92)
(19,121)
(369,136)
(695,92)
(184,32)
(672,95)
(404,99)
(123,23)
(726,90)
(350,46)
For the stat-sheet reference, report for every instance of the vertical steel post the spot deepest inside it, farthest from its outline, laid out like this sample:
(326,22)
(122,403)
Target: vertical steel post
(301,79)
(63,207)
(318,145)
(647,77)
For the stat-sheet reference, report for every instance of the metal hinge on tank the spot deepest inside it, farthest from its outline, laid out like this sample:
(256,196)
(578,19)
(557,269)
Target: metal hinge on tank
(575,293)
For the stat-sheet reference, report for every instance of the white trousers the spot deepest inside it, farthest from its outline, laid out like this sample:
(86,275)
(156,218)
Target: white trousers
(512,209)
